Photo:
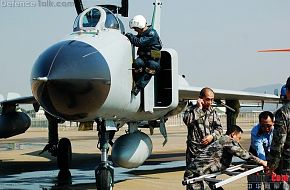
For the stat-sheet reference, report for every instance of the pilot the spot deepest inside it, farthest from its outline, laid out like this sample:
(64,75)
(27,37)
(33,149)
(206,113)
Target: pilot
(149,45)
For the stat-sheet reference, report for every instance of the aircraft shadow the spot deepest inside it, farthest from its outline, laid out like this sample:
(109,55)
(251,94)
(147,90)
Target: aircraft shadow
(79,161)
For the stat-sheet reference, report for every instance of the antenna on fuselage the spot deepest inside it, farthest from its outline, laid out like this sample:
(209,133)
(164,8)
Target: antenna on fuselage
(156,16)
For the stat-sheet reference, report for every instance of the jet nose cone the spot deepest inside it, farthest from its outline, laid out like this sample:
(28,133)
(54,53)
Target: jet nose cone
(71,80)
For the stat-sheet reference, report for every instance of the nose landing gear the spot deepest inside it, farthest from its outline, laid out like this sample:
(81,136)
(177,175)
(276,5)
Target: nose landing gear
(104,172)
(104,177)
(64,154)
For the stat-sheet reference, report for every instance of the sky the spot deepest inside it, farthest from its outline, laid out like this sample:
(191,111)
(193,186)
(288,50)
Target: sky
(216,41)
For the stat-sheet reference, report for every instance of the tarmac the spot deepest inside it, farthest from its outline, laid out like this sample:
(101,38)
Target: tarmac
(19,158)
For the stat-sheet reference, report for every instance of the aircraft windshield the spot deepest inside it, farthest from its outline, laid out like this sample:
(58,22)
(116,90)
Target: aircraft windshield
(111,20)
(91,18)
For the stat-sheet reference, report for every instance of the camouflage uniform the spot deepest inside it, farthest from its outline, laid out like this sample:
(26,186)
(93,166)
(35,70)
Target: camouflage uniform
(200,123)
(216,157)
(279,156)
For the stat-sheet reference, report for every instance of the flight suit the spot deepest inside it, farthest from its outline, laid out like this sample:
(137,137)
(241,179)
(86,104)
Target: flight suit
(279,156)
(147,63)
(199,124)
(216,157)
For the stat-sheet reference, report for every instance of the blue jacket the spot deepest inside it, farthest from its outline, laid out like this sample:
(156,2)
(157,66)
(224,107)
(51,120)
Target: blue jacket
(261,142)
(149,40)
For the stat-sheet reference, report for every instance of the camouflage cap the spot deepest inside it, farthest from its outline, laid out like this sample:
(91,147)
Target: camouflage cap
(288,83)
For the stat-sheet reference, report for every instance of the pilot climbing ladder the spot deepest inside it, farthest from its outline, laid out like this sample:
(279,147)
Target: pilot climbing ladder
(236,172)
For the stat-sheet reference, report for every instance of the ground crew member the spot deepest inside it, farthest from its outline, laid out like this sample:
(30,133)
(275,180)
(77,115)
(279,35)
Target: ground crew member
(261,138)
(279,156)
(203,124)
(147,63)
(218,156)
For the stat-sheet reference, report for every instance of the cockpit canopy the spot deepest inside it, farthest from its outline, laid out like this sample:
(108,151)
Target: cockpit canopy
(96,18)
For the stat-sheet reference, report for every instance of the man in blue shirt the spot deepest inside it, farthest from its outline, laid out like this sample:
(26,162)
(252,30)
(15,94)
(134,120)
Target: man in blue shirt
(261,138)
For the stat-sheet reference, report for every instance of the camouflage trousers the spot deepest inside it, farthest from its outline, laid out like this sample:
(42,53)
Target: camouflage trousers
(282,170)
(198,186)
(279,186)
(192,152)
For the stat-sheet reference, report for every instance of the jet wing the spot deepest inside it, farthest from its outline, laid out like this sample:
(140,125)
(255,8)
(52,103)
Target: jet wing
(20,100)
(189,92)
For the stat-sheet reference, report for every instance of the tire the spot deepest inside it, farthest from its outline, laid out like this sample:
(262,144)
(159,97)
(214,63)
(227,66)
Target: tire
(64,154)
(104,180)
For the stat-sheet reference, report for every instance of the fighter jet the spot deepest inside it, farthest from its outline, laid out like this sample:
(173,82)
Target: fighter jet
(87,76)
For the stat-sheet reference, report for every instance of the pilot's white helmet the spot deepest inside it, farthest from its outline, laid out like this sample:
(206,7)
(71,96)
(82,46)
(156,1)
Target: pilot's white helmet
(138,21)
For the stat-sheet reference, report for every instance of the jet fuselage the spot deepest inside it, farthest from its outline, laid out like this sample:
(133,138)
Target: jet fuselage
(89,74)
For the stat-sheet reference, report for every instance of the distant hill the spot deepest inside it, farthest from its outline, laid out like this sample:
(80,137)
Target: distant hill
(268,89)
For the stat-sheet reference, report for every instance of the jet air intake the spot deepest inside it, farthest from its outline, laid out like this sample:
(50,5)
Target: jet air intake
(71,80)
(132,149)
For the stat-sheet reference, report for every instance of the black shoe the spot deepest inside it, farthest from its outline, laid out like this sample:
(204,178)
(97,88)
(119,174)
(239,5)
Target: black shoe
(135,91)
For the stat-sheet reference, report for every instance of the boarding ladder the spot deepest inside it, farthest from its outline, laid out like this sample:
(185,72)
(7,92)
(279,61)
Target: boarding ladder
(235,172)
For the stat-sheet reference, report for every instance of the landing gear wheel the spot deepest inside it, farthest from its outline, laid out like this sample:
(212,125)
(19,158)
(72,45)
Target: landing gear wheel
(64,154)
(104,179)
